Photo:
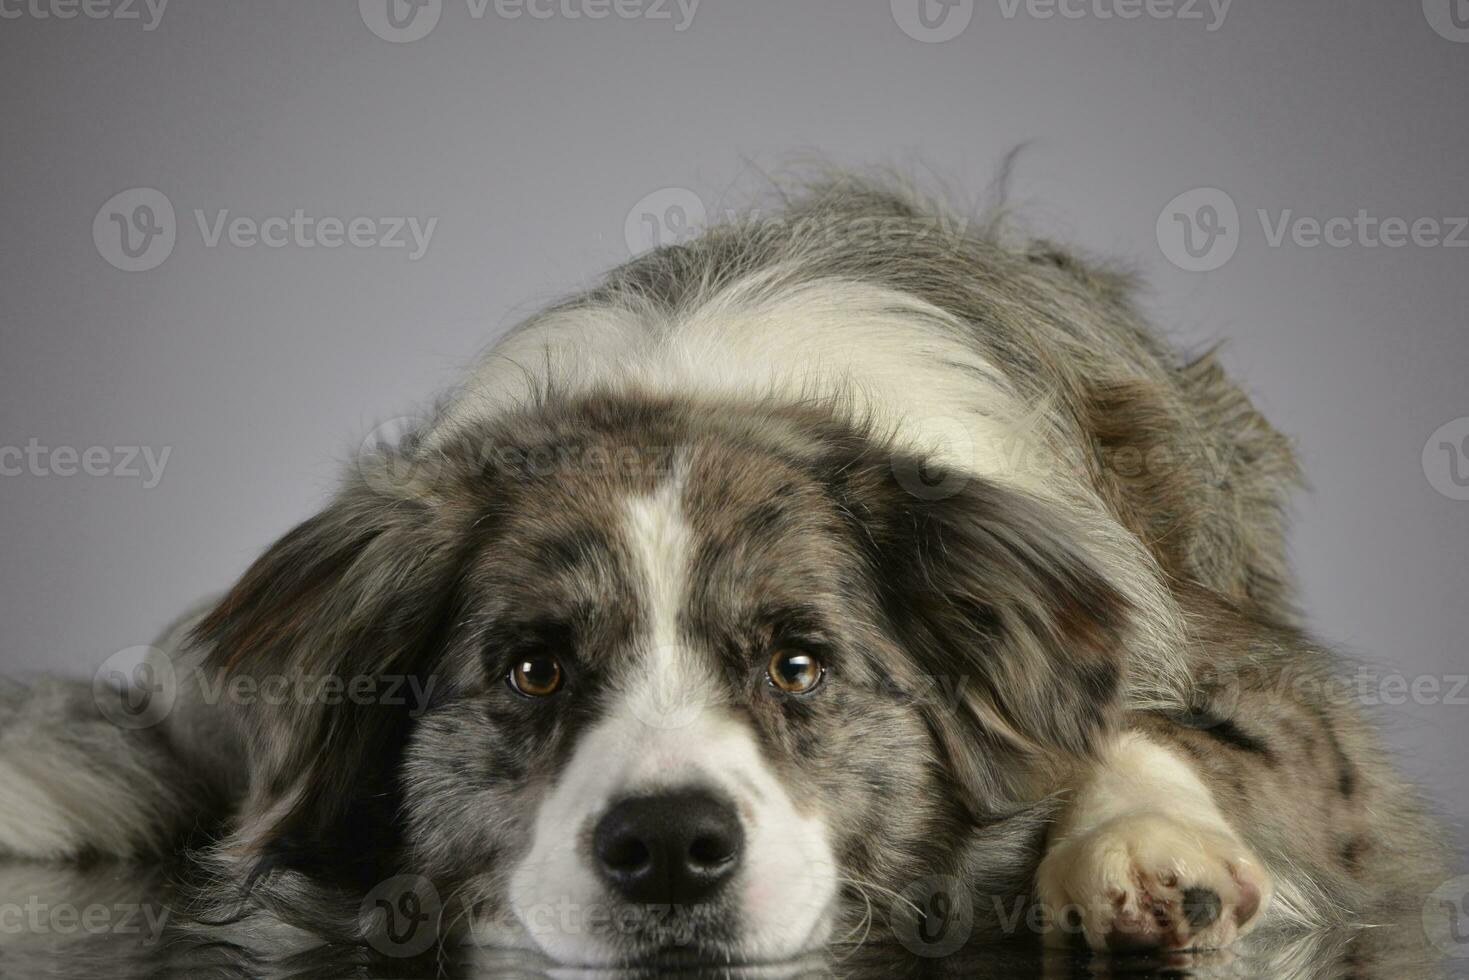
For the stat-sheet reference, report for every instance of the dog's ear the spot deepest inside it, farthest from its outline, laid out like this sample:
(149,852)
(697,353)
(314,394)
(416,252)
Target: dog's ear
(995,587)
(320,648)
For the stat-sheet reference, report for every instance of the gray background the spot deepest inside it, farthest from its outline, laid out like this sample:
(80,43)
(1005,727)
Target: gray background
(533,140)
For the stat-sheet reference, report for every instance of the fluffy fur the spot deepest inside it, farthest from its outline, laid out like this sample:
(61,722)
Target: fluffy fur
(1040,556)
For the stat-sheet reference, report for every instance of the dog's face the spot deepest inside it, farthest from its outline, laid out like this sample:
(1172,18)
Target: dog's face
(702,680)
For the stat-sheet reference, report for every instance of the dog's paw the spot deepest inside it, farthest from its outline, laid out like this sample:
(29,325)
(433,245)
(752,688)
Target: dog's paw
(1151,882)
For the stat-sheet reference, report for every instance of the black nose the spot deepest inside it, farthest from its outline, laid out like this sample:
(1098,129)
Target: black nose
(670,849)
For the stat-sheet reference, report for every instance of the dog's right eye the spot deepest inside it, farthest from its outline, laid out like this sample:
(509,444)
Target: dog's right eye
(536,676)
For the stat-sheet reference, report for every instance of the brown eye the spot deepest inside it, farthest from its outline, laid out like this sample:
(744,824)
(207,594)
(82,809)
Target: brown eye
(795,671)
(537,676)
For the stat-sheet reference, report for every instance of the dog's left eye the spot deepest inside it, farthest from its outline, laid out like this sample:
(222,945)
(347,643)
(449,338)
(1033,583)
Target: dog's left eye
(795,671)
(536,676)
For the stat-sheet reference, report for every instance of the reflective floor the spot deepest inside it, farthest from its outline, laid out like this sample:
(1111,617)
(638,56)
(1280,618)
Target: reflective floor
(122,923)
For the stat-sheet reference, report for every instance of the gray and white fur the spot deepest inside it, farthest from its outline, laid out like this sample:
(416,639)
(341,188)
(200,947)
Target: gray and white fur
(1036,557)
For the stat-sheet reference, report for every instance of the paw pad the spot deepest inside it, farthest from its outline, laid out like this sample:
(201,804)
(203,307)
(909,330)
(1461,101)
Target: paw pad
(1151,882)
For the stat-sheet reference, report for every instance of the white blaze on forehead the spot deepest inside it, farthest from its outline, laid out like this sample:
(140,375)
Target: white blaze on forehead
(884,356)
(669,688)
(668,728)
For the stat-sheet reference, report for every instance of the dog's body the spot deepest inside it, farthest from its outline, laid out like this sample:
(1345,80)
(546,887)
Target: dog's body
(870,543)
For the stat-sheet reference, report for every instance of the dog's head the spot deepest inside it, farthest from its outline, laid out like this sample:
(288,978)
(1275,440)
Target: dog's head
(694,676)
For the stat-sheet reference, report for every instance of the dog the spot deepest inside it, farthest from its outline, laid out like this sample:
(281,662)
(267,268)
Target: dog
(850,553)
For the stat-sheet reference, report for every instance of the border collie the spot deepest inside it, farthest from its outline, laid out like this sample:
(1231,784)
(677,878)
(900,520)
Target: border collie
(848,557)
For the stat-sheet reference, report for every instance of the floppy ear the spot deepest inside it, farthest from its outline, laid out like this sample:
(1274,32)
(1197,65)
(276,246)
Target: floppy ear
(328,633)
(996,587)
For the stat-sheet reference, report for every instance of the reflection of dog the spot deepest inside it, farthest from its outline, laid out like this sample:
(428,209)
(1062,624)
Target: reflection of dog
(782,570)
